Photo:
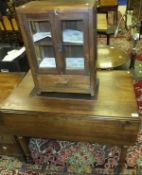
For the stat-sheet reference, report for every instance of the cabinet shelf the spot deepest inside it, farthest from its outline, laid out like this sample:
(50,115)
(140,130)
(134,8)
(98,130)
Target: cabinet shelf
(72,44)
(70,37)
(44,42)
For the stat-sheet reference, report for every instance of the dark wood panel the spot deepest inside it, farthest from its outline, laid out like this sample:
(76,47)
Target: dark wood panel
(64,83)
(72,127)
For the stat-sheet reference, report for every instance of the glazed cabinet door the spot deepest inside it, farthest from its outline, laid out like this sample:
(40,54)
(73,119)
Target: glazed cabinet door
(73,39)
(41,42)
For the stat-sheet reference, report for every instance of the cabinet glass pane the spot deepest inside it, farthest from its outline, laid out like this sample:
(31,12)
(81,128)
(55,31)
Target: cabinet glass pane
(74,57)
(40,30)
(45,57)
(73,44)
(43,45)
(72,32)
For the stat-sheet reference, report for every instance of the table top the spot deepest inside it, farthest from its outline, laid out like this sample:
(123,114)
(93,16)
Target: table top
(8,81)
(115,99)
(110,118)
(111,57)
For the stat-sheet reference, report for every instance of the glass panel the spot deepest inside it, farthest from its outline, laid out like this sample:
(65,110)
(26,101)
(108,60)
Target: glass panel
(43,45)
(45,57)
(40,30)
(73,41)
(74,57)
(72,32)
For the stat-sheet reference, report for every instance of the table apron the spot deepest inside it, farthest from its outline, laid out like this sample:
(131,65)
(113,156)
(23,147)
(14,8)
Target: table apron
(70,127)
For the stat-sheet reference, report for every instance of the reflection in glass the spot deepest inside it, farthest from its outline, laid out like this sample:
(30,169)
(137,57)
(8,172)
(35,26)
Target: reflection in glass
(73,40)
(45,57)
(72,31)
(42,37)
(74,57)
(74,63)
(40,30)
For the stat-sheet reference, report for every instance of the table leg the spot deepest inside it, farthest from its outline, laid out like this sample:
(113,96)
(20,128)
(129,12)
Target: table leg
(122,159)
(24,146)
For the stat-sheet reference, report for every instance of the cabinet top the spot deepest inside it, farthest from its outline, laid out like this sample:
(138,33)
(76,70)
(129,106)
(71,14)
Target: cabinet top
(43,6)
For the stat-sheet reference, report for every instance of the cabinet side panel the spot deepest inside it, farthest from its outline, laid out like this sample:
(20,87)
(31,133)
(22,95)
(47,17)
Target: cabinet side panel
(93,48)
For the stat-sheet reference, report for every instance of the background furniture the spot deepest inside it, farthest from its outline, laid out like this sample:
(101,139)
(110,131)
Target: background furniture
(19,64)
(106,6)
(102,26)
(112,58)
(9,32)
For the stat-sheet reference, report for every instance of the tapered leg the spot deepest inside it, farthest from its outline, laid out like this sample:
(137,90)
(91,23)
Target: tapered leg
(122,159)
(23,142)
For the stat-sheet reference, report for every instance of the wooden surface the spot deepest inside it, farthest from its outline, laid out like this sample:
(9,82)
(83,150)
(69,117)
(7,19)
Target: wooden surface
(43,6)
(8,81)
(106,6)
(102,22)
(111,118)
(8,145)
(108,2)
(111,57)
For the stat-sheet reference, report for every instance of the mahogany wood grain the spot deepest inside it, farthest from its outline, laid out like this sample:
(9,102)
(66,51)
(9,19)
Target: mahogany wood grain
(65,83)
(111,118)
(8,81)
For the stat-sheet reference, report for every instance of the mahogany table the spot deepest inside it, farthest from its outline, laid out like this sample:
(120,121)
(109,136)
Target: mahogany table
(111,118)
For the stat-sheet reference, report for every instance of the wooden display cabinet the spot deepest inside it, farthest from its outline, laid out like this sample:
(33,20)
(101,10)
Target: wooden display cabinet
(60,39)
